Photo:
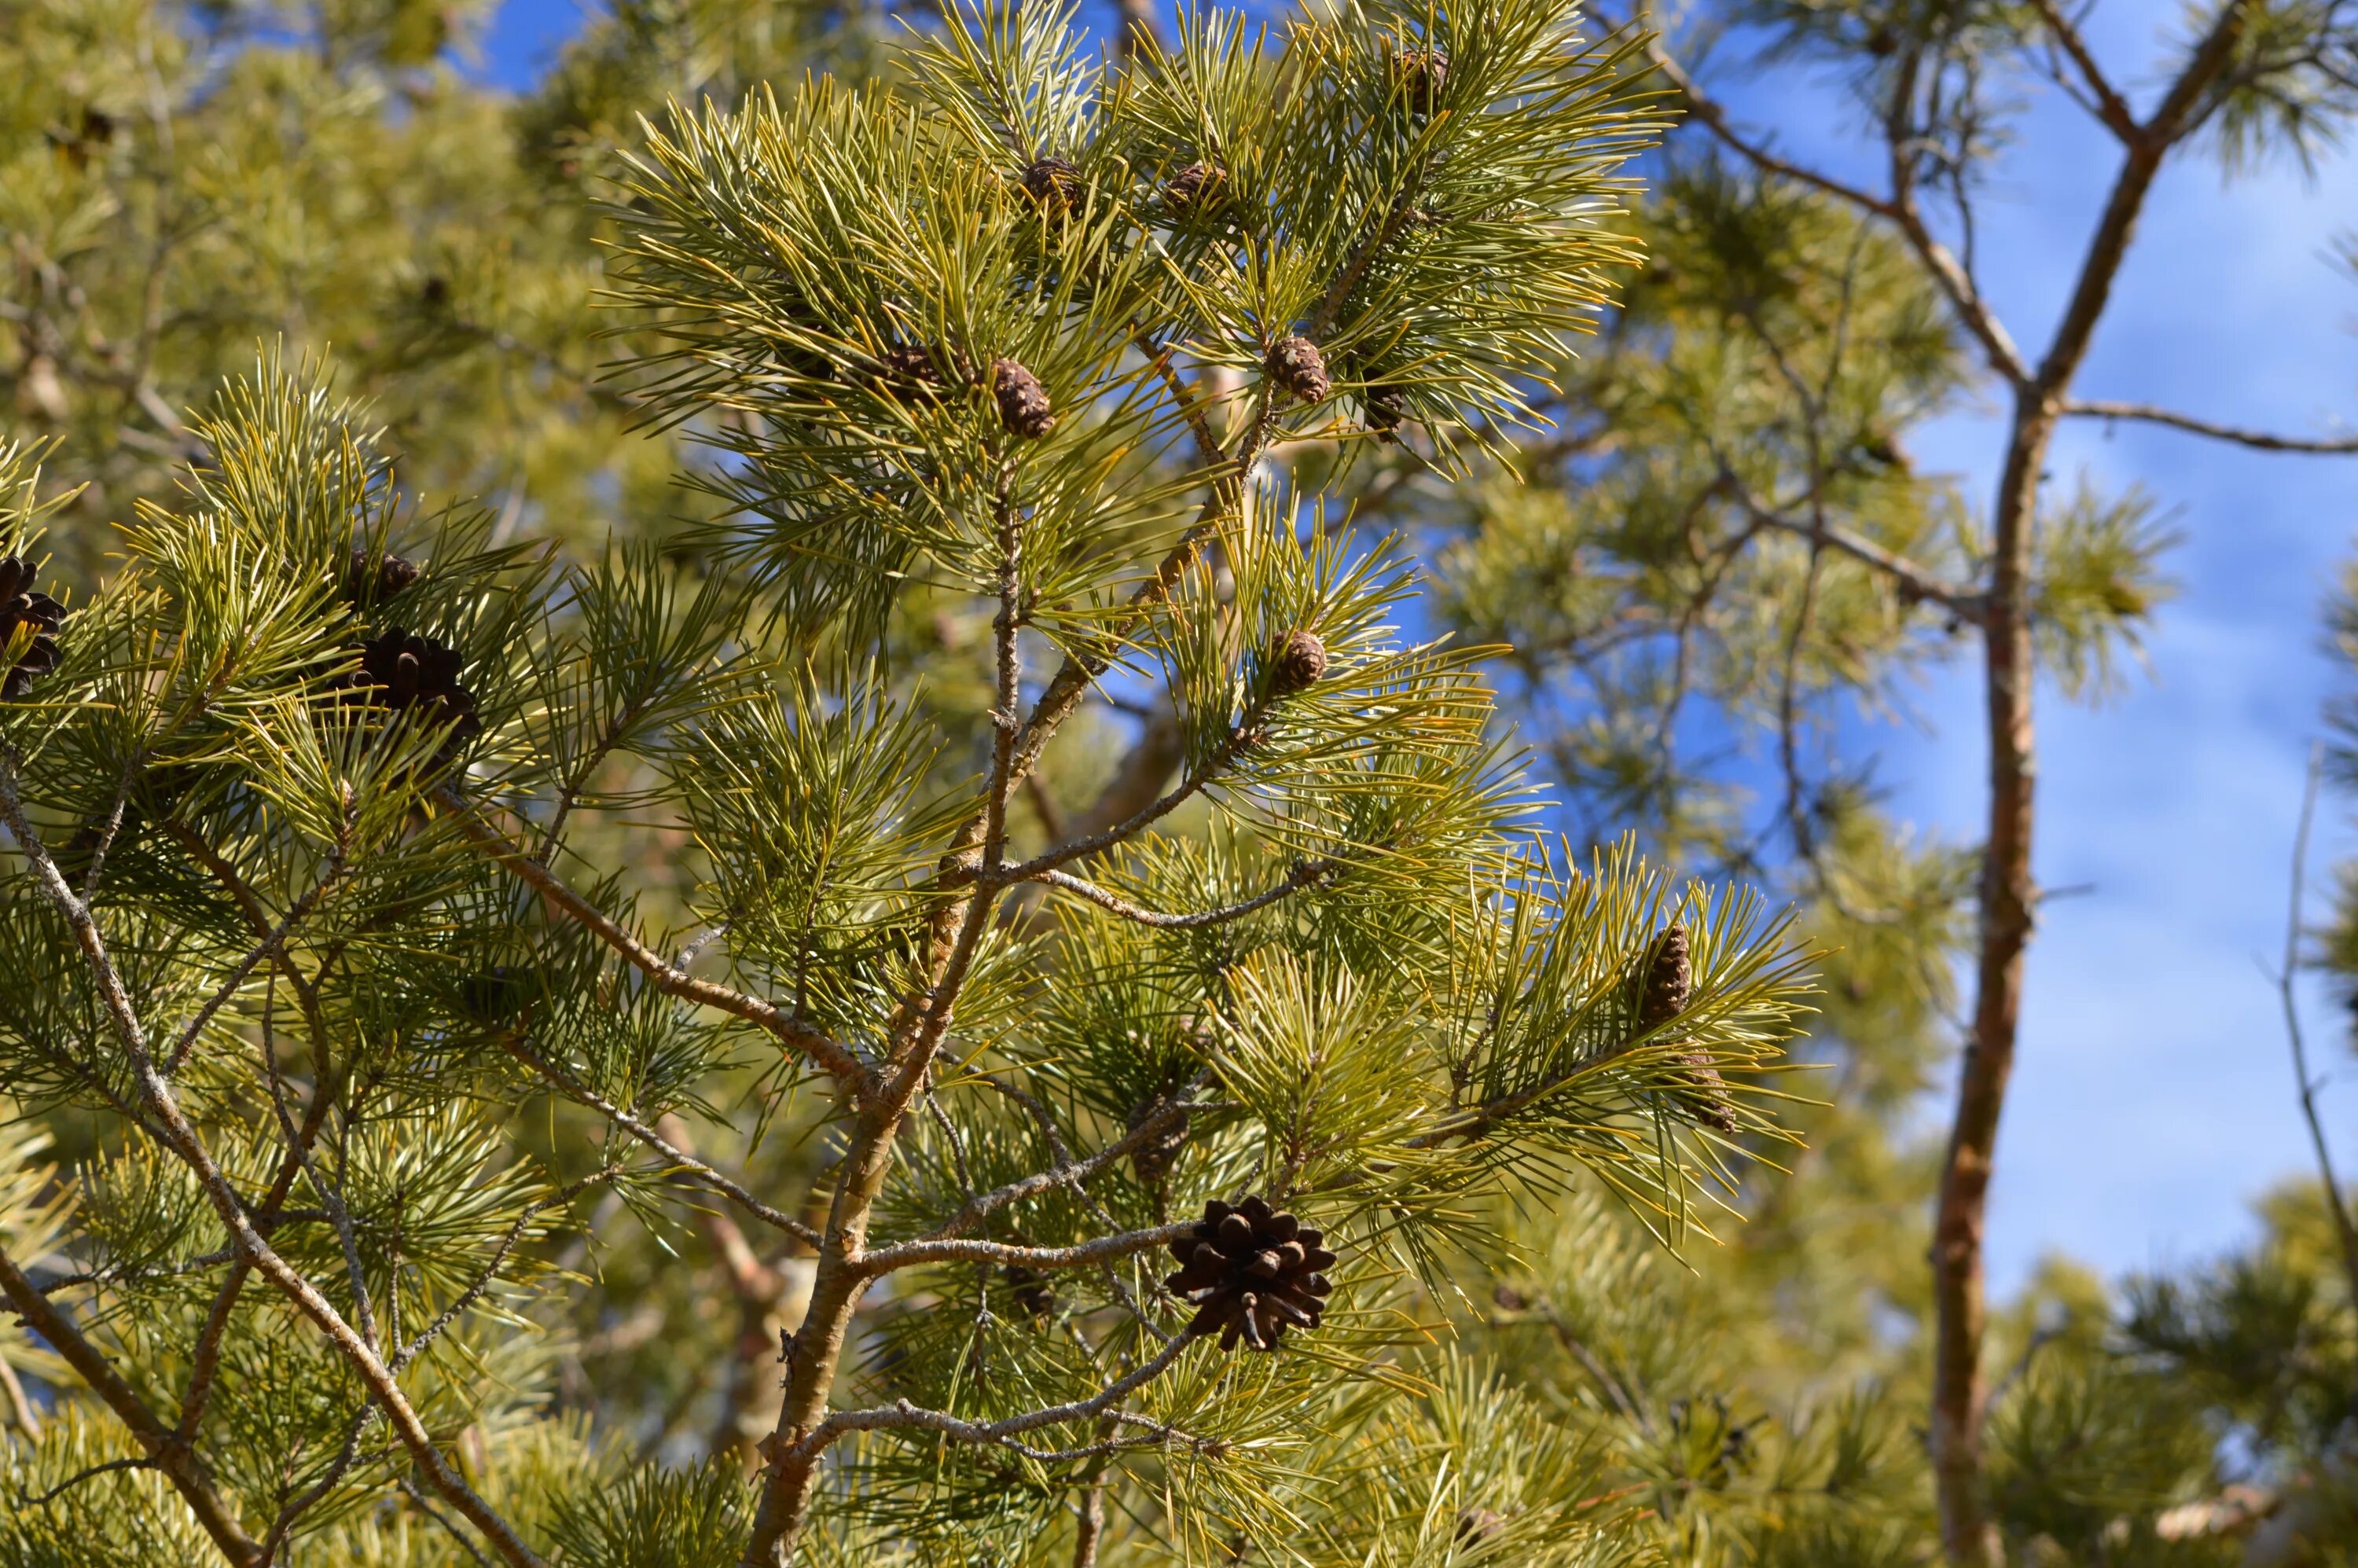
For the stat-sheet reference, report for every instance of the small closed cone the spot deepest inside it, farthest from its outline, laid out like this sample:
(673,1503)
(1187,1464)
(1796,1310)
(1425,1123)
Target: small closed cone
(1421,74)
(1196,188)
(1297,662)
(1023,406)
(1151,1160)
(1296,365)
(372,577)
(1670,983)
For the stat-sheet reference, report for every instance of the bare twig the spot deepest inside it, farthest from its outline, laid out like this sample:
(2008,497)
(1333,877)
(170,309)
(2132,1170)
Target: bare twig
(2110,107)
(904,1416)
(910,1254)
(2336,1202)
(2262,440)
(79,1476)
(1966,604)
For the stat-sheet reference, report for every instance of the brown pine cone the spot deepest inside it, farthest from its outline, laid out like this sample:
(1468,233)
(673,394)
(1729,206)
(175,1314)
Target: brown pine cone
(418,676)
(1479,1526)
(1196,188)
(370,578)
(1382,410)
(1032,1292)
(1296,365)
(909,368)
(1297,662)
(1054,183)
(29,620)
(1251,1273)
(1023,401)
(1421,74)
(1669,981)
(1151,1160)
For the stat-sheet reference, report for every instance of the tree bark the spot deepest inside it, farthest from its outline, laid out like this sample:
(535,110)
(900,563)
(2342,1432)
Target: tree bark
(2008,893)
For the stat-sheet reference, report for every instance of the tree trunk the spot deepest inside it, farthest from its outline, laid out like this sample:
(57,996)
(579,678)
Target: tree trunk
(2007,895)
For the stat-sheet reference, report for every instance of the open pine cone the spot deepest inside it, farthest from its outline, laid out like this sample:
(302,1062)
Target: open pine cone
(1052,182)
(22,606)
(1251,1273)
(418,676)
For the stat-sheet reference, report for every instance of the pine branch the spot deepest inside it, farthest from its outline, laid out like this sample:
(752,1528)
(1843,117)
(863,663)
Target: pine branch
(671,980)
(1309,873)
(2266,441)
(564,1084)
(181,1139)
(171,1458)
(904,1416)
(1105,1249)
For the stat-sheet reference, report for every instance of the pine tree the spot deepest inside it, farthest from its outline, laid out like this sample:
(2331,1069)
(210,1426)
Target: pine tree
(1725,534)
(322,864)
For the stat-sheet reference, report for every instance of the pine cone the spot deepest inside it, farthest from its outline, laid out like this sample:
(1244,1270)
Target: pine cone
(1421,75)
(1196,188)
(1032,1292)
(910,368)
(1299,660)
(1151,1160)
(371,579)
(1296,365)
(1382,410)
(1052,182)
(1479,1526)
(29,625)
(1669,981)
(1251,1273)
(416,676)
(1022,402)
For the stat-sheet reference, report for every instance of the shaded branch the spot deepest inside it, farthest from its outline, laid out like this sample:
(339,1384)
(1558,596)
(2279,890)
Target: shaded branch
(584,1095)
(1306,875)
(181,1139)
(170,1457)
(671,980)
(905,1416)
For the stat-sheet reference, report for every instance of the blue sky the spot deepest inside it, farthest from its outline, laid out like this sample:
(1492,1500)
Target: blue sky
(2153,1099)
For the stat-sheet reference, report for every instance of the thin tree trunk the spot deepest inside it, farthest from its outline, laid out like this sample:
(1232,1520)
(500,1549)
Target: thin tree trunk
(2007,895)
